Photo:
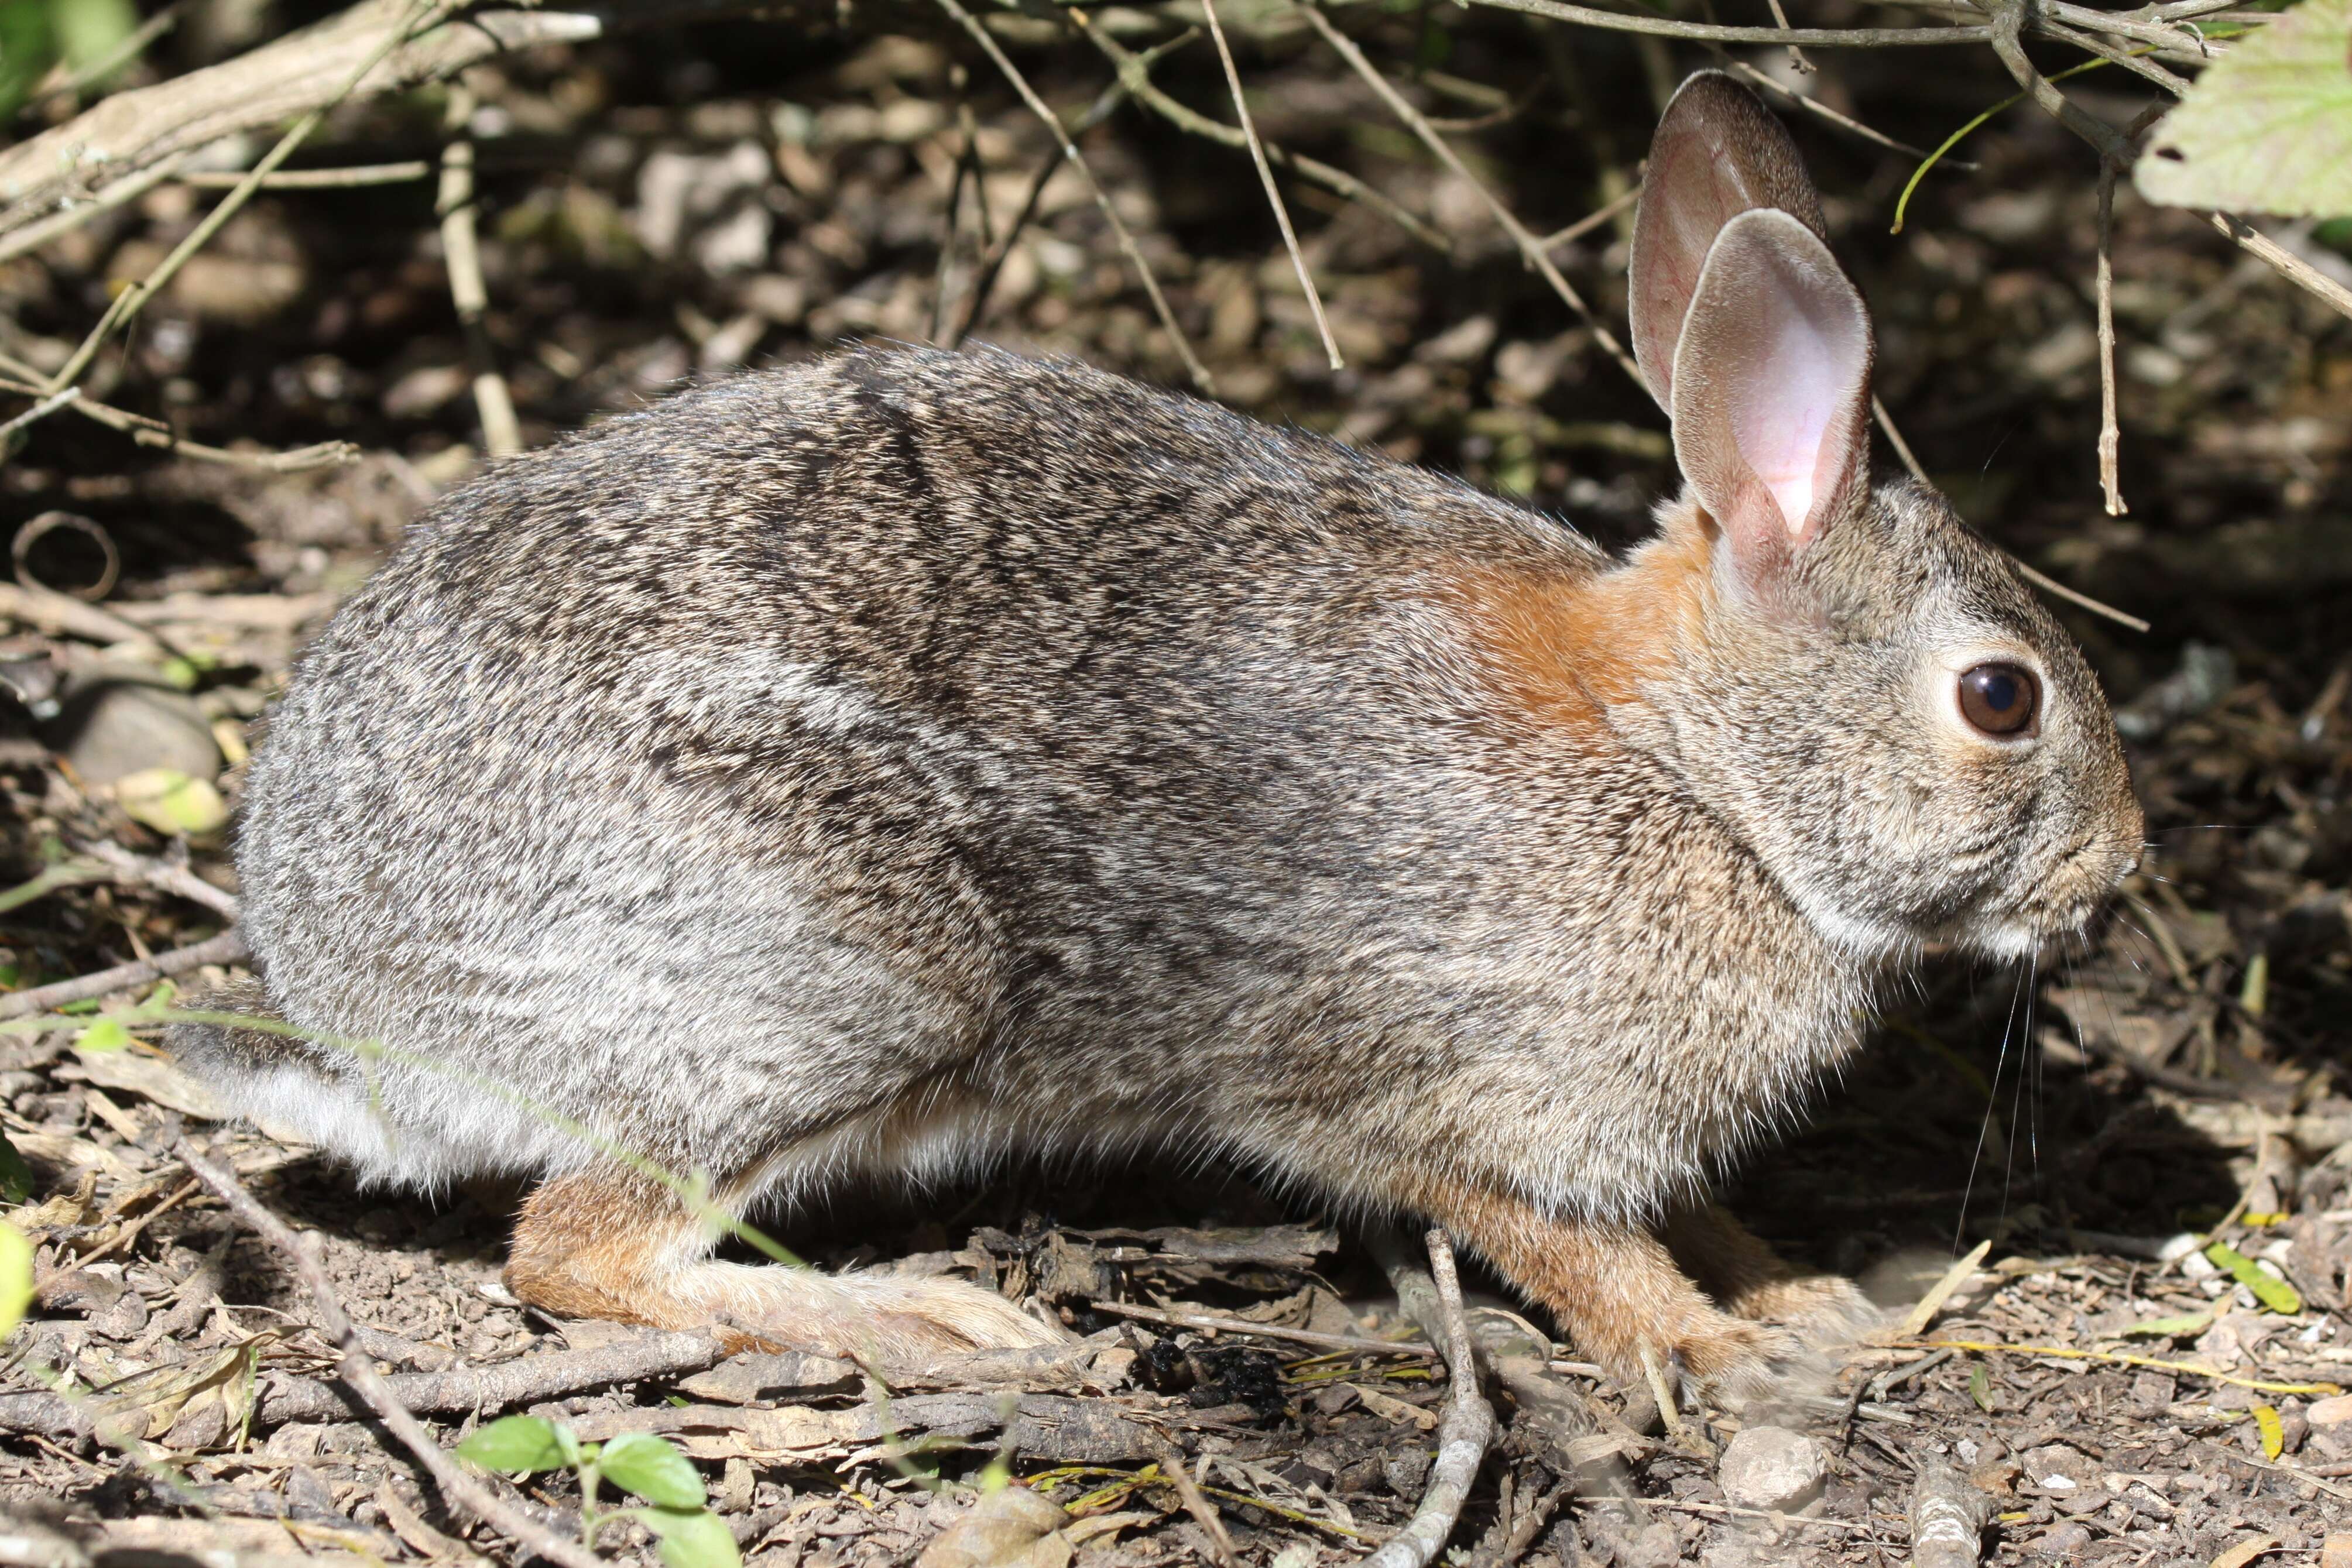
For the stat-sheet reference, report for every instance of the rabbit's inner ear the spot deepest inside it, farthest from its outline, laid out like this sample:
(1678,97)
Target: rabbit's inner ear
(1771,385)
(1717,152)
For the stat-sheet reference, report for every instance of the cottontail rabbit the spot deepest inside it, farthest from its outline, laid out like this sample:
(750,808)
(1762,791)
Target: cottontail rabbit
(904,760)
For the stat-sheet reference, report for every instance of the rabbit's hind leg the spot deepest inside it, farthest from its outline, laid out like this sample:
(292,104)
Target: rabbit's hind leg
(1750,1281)
(608,1244)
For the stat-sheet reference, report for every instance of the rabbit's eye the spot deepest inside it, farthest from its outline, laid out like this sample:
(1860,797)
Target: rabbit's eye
(2000,699)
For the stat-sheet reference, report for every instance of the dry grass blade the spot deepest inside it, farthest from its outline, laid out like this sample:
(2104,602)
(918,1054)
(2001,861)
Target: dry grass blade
(461,1489)
(1273,191)
(1959,1274)
(1530,247)
(1134,252)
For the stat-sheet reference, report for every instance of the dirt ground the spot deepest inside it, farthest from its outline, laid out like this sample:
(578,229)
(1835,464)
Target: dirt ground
(684,203)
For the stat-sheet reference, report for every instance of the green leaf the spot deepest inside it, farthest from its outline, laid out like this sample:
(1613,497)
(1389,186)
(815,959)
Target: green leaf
(16,1277)
(105,1035)
(27,50)
(91,31)
(2269,1288)
(648,1465)
(2268,126)
(171,802)
(2271,1429)
(1980,1387)
(515,1445)
(692,1538)
(2172,1328)
(86,1005)
(15,1175)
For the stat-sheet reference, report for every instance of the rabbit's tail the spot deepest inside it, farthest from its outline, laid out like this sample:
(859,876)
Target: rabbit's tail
(303,1090)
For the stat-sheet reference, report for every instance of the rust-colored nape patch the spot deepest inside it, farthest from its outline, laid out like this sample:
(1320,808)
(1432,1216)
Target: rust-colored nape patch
(1563,649)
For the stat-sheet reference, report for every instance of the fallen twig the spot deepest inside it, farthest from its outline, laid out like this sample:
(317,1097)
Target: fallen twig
(1947,1518)
(164,875)
(522,1381)
(1207,1324)
(1463,1435)
(460,1489)
(226,948)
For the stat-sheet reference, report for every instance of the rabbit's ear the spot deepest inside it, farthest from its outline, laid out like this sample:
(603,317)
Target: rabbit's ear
(1771,388)
(1717,153)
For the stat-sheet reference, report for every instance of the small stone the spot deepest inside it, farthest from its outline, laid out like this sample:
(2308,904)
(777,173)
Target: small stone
(1015,1528)
(2068,1540)
(1772,1467)
(2331,1413)
(2336,1550)
(1651,1546)
(115,723)
(1406,1468)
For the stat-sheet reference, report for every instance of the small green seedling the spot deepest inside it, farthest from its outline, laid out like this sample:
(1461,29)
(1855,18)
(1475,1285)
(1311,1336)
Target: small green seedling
(639,1463)
(16,1277)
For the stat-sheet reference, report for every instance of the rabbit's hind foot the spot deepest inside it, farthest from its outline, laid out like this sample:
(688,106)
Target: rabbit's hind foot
(607,1245)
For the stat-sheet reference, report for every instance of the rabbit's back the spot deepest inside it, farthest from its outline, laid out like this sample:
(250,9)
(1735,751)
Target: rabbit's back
(717,776)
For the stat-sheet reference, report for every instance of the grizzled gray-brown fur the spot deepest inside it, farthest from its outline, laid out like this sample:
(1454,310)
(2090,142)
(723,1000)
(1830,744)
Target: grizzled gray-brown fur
(908,760)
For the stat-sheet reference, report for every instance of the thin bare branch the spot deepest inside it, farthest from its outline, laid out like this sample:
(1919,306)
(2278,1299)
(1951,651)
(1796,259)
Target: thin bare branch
(1530,249)
(1710,33)
(1796,56)
(2291,266)
(129,302)
(341,179)
(167,876)
(155,433)
(2009,18)
(1134,252)
(1592,220)
(1821,110)
(1134,74)
(1273,191)
(461,1491)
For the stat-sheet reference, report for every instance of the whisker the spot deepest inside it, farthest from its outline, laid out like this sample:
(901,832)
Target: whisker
(1984,1128)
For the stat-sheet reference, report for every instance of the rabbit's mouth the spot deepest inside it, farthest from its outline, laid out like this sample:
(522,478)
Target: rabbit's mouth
(2063,906)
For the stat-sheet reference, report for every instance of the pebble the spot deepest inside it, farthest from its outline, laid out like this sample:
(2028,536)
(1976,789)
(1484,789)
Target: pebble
(1772,1467)
(2069,1541)
(114,723)
(2330,1413)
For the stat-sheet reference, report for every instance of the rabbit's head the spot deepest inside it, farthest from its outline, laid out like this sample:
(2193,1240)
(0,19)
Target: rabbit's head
(1861,687)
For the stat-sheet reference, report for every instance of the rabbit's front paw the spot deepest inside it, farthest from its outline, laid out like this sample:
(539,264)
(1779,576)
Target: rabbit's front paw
(1734,1364)
(1828,1311)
